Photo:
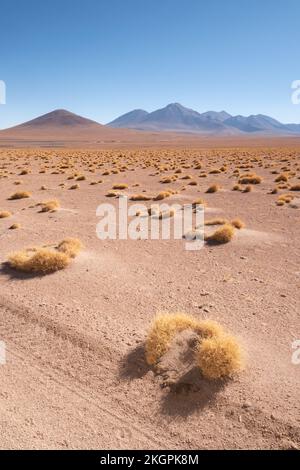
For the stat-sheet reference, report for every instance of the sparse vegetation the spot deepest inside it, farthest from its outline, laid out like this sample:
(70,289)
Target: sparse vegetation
(20,195)
(218,354)
(222,235)
(5,214)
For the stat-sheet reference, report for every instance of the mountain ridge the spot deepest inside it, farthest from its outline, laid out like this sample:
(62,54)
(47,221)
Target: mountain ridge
(176,118)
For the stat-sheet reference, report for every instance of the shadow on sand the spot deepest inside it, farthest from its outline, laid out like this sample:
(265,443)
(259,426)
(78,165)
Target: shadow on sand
(188,394)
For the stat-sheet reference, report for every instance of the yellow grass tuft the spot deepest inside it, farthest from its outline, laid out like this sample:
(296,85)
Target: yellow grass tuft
(218,221)
(162,195)
(50,206)
(250,178)
(20,195)
(221,235)
(219,356)
(14,226)
(238,223)
(120,186)
(5,214)
(42,261)
(282,178)
(213,188)
(70,246)
(163,330)
(248,189)
(140,197)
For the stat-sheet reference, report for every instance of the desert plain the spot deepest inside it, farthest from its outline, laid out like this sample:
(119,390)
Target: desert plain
(75,375)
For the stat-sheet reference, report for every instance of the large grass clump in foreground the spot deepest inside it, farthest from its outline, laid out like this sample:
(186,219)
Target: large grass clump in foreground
(222,235)
(45,260)
(218,354)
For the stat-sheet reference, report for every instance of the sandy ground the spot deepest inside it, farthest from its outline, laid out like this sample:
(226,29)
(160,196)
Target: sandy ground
(75,373)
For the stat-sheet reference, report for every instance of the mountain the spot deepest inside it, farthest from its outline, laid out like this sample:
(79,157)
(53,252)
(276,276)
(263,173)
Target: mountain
(59,118)
(61,125)
(256,123)
(176,118)
(129,119)
(217,116)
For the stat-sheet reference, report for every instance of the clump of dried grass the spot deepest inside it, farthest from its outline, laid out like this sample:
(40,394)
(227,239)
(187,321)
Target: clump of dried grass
(50,206)
(5,214)
(20,195)
(219,356)
(218,353)
(45,260)
(222,235)
(140,197)
(120,186)
(70,246)
(218,221)
(250,178)
(213,188)
(238,223)
(15,226)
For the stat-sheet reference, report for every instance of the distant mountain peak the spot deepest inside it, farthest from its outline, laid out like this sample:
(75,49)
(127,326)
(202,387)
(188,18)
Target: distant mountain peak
(60,118)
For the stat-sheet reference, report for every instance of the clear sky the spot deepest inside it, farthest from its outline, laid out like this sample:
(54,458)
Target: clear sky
(102,58)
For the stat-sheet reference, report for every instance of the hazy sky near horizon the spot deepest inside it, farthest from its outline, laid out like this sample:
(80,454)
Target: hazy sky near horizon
(102,58)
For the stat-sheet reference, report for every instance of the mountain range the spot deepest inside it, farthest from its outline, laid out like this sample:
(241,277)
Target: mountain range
(141,126)
(176,118)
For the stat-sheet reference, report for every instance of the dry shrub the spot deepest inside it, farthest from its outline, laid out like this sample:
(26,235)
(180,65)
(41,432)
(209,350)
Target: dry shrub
(213,188)
(5,214)
(162,195)
(70,246)
(221,235)
(20,195)
(286,198)
(50,206)
(198,202)
(250,179)
(43,261)
(14,226)
(248,189)
(295,187)
(81,178)
(163,330)
(74,186)
(218,354)
(167,214)
(120,186)
(111,194)
(238,223)
(282,178)
(218,221)
(140,197)
(237,187)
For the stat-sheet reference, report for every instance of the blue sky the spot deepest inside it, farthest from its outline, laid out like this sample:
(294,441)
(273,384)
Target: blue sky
(102,58)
